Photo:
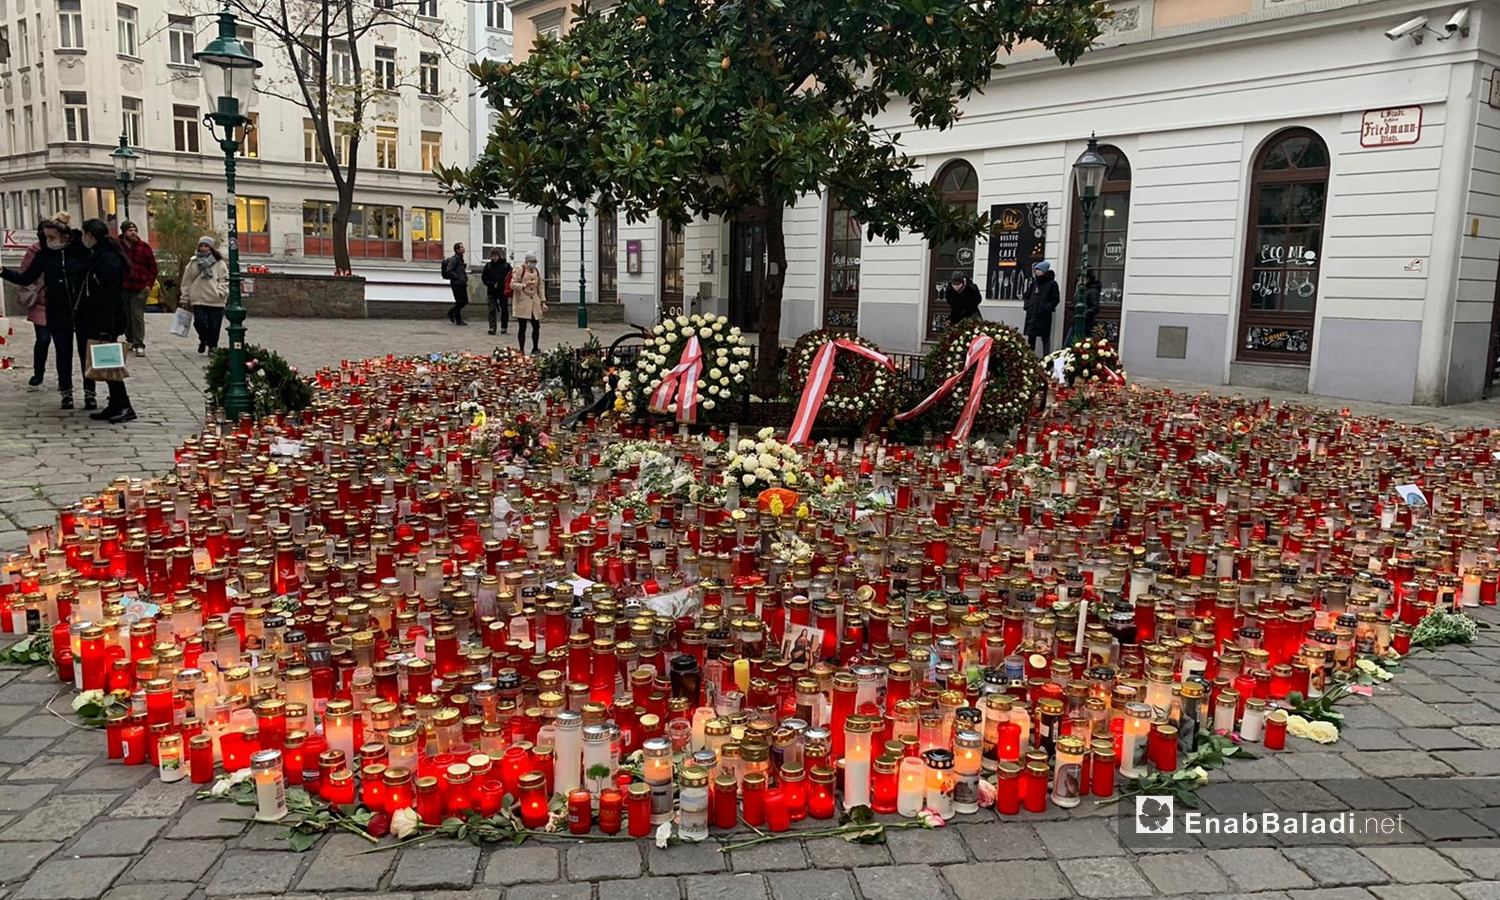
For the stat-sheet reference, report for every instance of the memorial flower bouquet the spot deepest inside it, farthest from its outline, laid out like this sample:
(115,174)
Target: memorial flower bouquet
(859,389)
(763,462)
(516,437)
(1013,377)
(722,364)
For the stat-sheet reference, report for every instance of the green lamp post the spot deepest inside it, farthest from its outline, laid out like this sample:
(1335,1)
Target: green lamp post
(1088,177)
(229,80)
(125,160)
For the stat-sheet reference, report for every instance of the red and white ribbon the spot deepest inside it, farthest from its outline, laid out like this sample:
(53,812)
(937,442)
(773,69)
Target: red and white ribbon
(818,377)
(978,359)
(683,381)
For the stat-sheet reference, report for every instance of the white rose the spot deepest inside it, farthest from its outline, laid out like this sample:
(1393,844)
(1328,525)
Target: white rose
(724,380)
(696,319)
(671,325)
(735,331)
(766,433)
(404,823)
(641,377)
(708,404)
(657,330)
(682,320)
(718,324)
(748,479)
(704,332)
(763,474)
(1322,732)
(739,379)
(715,373)
(767,460)
(746,444)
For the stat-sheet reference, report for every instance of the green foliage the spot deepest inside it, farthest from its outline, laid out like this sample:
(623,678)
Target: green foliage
(33,650)
(683,108)
(1320,709)
(175,230)
(275,386)
(578,372)
(1441,627)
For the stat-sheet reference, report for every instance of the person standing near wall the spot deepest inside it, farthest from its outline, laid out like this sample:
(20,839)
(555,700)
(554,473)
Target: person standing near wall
(456,271)
(1041,299)
(138,283)
(496,278)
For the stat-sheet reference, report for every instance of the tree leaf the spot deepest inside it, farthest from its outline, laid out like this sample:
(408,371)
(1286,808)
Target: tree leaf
(301,841)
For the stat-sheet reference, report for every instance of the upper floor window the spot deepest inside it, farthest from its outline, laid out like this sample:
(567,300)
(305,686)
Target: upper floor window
(127,31)
(130,121)
(341,65)
(181,42)
(428,72)
(185,127)
(427,8)
(385,68)
(70,24)
(23,41)
(246,35)
(432,150)
(250,145)
(496,15)
(75,115)
(385,147)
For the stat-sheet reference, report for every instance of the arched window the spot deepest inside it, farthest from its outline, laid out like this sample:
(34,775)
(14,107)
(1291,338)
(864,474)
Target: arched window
(1107,242)
(845,241)
(1288,195)
(959,186)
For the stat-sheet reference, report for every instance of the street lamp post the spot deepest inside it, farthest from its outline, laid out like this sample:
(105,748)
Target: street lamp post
(229,80)
(1088,176)
(125,160)
(583,310)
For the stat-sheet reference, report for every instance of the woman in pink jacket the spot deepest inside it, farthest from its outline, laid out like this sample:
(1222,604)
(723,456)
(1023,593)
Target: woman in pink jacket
(34,298)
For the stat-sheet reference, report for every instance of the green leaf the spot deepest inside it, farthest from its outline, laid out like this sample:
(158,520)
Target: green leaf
(870,834)
(301,841)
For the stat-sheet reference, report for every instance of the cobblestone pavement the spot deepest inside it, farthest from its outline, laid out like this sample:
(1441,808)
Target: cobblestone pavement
(74,826)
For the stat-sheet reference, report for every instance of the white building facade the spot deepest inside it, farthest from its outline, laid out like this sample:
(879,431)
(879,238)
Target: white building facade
(490,37)
(82,72)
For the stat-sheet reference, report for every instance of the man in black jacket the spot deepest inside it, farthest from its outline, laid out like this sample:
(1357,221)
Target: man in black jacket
(456,273)
(1040,300)
(963,298)
(100,313)
(494,276)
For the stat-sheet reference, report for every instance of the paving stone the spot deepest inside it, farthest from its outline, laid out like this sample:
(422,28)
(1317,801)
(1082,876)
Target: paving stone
(1397,763)
(59,818)
(1436,739)
(14,751)
(1258,869)
(1078,837)
(435,866)
(39,727)
(160,798)
(600,860)
(10,715)
(254,873)
(639,888)
(520,865)
(1432,691)
(1367,793)
(1469,713)
(342,865)
(1479,890)
(111,777)
(1372,739)
(176,861)
(174,891)
(1416,892)
(1413,865)
(1483,735)
(1335,865)
(1413,712)
(686,858)
(559,891)
(1104,877)
(997,842)
(745,886)
(772,857)
(832,885)
(1266,768)
(17,859)
(1447,824)
(1008,880)
(73,879)
(1319,766)
(474,893)
(1471,762)
(1299,796)
(210,819)
(836,853)
(1439,793)
(1483,862)
(23,796)
(1233,797)
(932,846)
(116,837)
(1338,893)
(897,882)
(1183,873)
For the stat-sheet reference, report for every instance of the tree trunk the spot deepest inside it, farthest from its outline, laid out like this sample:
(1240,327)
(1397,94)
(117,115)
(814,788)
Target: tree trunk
(341,228)
(770,298)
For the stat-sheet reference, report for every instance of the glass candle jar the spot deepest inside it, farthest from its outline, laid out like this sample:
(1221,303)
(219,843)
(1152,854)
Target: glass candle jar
(580,811)
(1134,743)
(794,783)
(656,769)
(883,786)
(1102,772)
(1162,747)
(1008,788)
(692,806)
(201,759)
(911,787)
(638,810)
(1275,737)
(753,799)
(1034,786)
(1067,772)
(568,741)
(1253,722)
(968,748)
(270,786)
(820,792)
(724,802)
(169,758)
(940,781)
(857,760)
(533,800)
(611,809)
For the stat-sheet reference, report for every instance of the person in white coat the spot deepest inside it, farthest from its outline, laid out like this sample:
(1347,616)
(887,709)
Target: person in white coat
(205,289)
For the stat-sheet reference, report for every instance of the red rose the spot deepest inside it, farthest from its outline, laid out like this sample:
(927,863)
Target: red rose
(379,825)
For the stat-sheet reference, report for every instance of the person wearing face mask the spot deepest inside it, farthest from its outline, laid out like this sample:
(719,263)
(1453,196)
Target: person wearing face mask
(100,313)
(59,264)
(531,302)
(205,288)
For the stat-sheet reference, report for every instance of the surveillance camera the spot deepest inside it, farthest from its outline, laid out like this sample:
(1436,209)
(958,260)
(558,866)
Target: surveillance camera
(1458,21)
(1409,27)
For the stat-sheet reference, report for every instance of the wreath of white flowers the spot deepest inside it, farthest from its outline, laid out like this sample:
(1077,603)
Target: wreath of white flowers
(1085,362)
(726,364)
(1015,375)
(868,388)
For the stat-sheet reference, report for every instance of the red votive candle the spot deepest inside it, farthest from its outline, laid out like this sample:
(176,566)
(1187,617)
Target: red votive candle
(581,812)
(201,759)
(638,809)
(1275,737)
(1008,789)
(1036,787)
(777,818)
(611,810)
(133,742)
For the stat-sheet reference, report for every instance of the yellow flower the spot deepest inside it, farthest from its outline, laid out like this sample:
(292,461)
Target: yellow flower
(619,404)
(479,419)
(791,478)
(510,432)
(738,515)
(802,511)
(272,469)
(776,506)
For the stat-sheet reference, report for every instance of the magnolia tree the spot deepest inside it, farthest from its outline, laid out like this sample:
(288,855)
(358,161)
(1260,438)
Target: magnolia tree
(320,56)
(684,108)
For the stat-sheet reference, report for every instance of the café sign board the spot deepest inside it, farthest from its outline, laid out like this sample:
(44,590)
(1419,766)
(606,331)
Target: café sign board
(1391,127)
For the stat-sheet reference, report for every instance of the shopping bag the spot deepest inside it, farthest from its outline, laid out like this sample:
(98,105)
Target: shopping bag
(106,361)
(182,321)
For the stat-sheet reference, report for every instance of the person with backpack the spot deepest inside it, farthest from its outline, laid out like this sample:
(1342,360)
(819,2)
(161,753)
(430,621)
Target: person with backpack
(496,278)
(456,272)
(1040,300)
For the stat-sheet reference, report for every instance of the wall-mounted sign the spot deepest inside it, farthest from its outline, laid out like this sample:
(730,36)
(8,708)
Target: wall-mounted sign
(1018,241)
(1495,88)
(633,257)
(1391,127)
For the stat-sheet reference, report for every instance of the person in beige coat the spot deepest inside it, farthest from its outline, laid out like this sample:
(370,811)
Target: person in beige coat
(530,301)
(205,289)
